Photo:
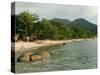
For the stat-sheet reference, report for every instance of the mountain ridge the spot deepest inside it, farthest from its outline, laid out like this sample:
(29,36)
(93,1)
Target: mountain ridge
(79,22)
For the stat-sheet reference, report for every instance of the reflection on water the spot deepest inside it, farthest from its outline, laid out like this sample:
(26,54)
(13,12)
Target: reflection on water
(76,55)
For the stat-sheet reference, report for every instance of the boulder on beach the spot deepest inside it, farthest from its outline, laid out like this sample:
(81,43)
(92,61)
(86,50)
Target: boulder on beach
(25,57)
(45,54)
(30,57)
(35,57)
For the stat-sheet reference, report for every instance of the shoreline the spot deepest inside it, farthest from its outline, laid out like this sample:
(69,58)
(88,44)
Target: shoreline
(21,45)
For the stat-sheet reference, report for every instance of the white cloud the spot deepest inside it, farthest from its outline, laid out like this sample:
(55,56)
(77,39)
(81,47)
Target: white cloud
(57,10)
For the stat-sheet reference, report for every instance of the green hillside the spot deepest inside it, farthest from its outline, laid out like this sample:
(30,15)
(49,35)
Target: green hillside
(30,27)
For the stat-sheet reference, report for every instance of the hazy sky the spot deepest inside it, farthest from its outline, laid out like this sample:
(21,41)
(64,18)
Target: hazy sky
(49,11)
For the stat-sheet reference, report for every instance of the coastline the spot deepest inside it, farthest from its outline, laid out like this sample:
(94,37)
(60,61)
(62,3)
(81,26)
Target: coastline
(21,45)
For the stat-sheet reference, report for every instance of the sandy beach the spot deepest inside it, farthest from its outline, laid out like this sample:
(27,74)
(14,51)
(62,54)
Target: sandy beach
(21,45)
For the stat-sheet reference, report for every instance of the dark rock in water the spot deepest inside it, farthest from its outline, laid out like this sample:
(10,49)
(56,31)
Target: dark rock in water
(20,58)
(64,43)
(25,57)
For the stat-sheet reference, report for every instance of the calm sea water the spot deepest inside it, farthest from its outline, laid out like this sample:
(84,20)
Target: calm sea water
(72,56)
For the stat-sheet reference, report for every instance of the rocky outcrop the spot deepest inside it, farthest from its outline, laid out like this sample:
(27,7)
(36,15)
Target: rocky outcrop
(27,56)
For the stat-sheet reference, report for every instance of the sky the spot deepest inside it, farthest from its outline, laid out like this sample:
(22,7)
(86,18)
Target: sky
(50,11)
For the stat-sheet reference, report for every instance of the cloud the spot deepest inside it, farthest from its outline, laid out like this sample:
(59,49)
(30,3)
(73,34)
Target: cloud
(57,10)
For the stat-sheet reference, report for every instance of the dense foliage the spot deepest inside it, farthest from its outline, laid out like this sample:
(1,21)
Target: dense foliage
(30,27)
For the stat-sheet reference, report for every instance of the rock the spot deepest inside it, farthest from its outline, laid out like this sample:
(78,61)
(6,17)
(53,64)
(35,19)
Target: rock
(36,57)
(20,58)
(64,43)
(45,54)
(25,57)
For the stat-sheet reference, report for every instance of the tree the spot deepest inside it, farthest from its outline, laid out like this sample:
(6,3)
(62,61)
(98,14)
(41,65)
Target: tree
(43,29)
(24,24)
(28,26)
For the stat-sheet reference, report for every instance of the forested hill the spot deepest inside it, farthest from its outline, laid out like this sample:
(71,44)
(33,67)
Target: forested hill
(30,27)
(63,21)
(80,22)
(84,24)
